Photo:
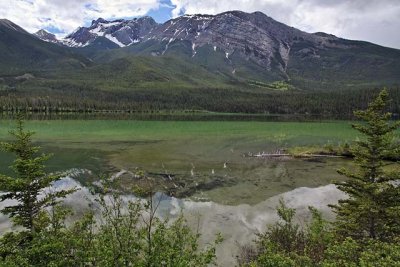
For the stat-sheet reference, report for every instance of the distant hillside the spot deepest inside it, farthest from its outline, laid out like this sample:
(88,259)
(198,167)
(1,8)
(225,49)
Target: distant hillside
(23,52)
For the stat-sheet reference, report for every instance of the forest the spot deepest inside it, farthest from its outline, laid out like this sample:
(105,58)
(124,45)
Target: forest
(65,98)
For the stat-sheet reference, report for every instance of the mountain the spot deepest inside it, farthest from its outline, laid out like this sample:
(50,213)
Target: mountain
(231,49)
(120,32)
(23,52)
(255,49)
(46,36)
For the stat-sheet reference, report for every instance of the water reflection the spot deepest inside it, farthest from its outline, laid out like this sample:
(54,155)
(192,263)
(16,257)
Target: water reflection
(177,116)
(238,224)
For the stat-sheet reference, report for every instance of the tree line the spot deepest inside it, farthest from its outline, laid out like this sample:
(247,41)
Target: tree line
(67,98)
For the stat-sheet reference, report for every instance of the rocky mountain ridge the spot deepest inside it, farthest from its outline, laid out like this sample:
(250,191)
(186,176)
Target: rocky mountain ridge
(252,36)
(255,36)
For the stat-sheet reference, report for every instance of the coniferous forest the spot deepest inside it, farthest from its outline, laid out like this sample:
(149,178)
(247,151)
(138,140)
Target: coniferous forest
(331,104)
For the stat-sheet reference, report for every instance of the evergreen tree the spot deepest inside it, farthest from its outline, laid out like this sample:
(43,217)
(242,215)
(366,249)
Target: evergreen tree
(373,208)
(28,185)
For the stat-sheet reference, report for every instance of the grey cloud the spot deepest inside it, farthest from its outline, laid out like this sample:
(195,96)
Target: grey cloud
(66,15)
(376,21)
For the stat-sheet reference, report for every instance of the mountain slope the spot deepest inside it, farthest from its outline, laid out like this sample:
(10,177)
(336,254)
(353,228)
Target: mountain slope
(21,51)
(346,64)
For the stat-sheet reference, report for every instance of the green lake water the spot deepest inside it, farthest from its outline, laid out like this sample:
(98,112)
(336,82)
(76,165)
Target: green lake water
(204,156)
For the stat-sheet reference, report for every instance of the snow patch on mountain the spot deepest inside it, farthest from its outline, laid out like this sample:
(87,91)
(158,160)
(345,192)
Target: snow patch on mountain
(114,39)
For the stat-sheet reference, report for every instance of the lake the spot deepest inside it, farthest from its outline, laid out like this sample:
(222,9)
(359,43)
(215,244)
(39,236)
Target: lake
(200,160)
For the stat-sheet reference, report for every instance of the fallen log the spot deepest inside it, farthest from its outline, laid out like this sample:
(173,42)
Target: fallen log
(279,155)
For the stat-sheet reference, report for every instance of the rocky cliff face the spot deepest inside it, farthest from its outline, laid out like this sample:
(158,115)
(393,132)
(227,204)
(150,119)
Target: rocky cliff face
(254,36)
(121,32)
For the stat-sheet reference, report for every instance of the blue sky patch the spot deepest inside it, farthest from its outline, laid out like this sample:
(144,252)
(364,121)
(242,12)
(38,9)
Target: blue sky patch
(163,13)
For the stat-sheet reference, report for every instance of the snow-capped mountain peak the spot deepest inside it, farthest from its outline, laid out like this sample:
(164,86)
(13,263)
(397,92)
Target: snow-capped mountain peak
(46,36)
(121,32)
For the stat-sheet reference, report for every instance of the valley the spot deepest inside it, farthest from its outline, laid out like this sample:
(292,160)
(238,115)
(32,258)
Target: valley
(226,139)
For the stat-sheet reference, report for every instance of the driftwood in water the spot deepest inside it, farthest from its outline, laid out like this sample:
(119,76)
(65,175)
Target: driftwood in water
(282,155)
(319,156)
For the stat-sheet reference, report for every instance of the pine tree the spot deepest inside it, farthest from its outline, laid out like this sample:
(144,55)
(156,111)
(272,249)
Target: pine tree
(28,186)
(373,207)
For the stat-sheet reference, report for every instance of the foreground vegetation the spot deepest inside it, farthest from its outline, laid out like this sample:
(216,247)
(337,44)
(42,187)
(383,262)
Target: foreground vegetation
(367,227)
(366,231)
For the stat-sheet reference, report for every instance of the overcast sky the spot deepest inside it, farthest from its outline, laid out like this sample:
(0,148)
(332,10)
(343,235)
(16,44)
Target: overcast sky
(377,21)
